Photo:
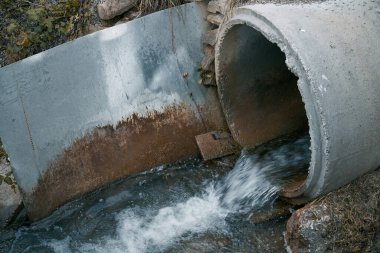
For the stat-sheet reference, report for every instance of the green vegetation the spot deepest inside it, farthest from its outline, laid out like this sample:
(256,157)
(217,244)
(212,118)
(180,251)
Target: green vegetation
(29,27)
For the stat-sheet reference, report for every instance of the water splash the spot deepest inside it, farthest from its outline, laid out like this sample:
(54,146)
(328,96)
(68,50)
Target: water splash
(258,176)
(149,231)
(254,182)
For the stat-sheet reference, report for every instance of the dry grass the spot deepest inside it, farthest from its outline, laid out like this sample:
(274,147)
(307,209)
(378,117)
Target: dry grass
(149,6)
(355,214)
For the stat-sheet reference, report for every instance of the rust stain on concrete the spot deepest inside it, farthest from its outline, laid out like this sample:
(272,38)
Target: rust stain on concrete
(109,153)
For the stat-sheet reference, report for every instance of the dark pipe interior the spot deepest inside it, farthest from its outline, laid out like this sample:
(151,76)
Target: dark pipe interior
(259,93)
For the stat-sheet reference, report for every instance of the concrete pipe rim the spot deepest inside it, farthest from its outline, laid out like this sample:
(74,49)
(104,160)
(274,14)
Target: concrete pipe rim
(308,188)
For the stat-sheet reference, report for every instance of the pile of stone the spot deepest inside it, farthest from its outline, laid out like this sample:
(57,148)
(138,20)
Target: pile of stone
(217,14)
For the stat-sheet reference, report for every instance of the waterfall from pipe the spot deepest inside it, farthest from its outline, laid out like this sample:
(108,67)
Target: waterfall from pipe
(254,182)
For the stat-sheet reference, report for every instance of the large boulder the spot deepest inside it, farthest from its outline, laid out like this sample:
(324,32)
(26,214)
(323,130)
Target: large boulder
(346,220)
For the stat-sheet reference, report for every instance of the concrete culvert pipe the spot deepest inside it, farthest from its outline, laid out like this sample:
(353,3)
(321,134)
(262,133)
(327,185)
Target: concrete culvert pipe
(283,68)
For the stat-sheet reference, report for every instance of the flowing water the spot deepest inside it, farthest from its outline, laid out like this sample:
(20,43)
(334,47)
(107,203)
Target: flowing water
(189,206)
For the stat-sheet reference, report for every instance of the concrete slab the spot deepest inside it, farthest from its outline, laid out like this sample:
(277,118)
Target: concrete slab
(107,105)
(216,144)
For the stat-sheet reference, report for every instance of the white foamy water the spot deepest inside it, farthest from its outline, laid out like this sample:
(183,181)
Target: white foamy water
(154,232)
(254,181)
(257,178)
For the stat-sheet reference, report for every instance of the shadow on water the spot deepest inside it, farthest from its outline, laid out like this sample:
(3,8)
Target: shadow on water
(188,206)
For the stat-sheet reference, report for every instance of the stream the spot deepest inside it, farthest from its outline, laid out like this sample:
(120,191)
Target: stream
(187,206)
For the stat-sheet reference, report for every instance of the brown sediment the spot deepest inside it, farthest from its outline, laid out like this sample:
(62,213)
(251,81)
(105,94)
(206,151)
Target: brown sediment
(108,153)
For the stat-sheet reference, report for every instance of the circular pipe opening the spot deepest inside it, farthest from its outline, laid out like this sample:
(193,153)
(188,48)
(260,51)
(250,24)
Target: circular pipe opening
(258,92)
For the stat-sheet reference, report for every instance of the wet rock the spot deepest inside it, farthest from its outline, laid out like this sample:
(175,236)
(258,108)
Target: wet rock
(279,209)
(109,9)
(345,220)
(210,242)
(10,197)
(306,229)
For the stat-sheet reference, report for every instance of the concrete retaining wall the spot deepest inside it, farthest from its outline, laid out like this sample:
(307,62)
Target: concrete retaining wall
(107,105)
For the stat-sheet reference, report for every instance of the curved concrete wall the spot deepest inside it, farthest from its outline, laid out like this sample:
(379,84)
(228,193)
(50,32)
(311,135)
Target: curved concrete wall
(333,54)
(107,105)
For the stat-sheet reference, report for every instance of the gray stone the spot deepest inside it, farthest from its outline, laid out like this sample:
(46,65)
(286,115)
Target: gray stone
(217,6)
(109,9)
(208,58)
(10,197)
(210,37)
(215,19)
(344,219)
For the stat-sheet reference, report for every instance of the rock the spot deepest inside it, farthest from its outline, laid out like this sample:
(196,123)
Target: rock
(203,243)
(209,81)
(215,19)
(109,9)
(208,78)
(217,6)
(94,28)
(213,7)
(210,37)
(207,63)
(279,209)
(208,50)
(10,197)
(128,16)
(208,58)
(345,220)
(306,228)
